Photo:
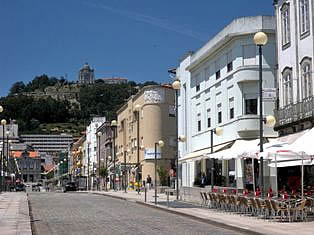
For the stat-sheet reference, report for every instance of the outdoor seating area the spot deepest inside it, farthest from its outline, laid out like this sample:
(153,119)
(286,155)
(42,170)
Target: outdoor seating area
(289,208)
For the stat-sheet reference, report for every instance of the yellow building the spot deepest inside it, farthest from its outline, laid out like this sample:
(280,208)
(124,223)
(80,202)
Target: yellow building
(146,118)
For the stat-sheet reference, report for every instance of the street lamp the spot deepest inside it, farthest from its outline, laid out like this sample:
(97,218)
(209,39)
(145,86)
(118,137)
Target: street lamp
(114,127)
(137,111)
(88,178)
(98,145)
(176,85)
(217,131)
(260,40)
(124,169)
(1,185)
(3,123)
(107,158)
(160,143)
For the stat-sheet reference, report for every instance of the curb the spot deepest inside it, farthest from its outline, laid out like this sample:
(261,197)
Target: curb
(199,219)
(31,216)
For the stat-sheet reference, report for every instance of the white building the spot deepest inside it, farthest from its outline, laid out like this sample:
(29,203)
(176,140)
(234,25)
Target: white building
(295,48)
(219,87)
(90,145)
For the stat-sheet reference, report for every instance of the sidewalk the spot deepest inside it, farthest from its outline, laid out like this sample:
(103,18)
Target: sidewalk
(14,214)
(247,224)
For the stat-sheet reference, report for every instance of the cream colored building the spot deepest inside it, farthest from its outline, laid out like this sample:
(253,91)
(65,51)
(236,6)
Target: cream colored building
(146,118)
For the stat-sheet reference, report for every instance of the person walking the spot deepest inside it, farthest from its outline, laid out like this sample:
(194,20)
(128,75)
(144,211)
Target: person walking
(149,182)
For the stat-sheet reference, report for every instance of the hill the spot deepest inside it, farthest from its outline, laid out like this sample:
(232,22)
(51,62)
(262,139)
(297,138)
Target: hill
(53,106)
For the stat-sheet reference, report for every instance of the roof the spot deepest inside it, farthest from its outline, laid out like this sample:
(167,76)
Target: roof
(31,154)
(48,167)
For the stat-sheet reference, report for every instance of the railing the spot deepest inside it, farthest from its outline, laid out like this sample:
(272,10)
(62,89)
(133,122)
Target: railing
(295,112)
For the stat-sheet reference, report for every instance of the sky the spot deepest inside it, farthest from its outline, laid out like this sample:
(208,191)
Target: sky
(136,39)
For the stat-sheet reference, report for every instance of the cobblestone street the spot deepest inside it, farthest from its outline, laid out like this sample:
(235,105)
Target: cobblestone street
(77,213)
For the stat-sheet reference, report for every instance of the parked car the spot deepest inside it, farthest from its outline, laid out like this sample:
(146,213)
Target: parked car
(71,186)
(20,187)
(35,187)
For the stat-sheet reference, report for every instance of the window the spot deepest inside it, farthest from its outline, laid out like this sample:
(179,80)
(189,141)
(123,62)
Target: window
(229,67)
(306,78)
(198,87)
(219,117)
(250,106)
(287,86)
(231,108)
(208,118)
(304,16)
(229,61)
(218,74)
(199,123)
(219,111)
(285,24)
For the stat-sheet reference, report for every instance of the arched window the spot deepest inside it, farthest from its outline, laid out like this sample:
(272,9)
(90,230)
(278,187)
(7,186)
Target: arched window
(287,91)
(306,75)
(304,16)
(285,24)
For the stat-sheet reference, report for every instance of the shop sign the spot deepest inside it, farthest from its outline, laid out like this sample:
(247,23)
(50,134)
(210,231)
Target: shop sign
(149,154)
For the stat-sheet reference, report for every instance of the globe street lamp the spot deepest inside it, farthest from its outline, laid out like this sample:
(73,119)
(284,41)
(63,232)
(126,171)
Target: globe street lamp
(217,131)
(99,134)
(176,85)
(137,111)
(260,40)
(3,123)
(114,127)
(88,165)
(1,185)
(124,169)
(160,143)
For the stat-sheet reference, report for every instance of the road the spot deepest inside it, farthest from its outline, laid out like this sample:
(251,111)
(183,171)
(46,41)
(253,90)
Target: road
(78,213)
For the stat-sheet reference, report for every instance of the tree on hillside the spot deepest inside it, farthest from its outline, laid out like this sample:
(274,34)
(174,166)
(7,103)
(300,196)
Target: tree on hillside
(17,87)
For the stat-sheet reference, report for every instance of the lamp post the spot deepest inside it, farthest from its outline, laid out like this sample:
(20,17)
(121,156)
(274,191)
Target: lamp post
(107,158)
(260,39)
(176,85)
(217,131)
(137,109)
(98,145)
(124,169)
(7,158)
(3,123)
(160,143)
(1,160)
(114,127)
(88,178)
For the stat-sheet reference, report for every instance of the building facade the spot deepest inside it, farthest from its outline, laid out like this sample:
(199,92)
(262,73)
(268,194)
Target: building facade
(86,75)
(295,49)
(139,129)
(29,165)
(219,88)
(115,80)
(91,148)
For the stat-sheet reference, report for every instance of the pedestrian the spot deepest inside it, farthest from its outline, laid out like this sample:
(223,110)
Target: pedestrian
(203,179)
(149,182)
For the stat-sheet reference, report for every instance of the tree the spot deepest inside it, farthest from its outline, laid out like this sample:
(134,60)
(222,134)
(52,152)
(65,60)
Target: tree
(163,175)
(17,88)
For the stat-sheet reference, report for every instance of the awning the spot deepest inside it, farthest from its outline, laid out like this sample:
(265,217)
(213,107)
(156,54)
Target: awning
(198,155)
(291,137)
(291,163)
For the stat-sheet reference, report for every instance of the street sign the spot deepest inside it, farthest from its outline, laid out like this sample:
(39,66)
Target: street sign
(269,94)
(150,154)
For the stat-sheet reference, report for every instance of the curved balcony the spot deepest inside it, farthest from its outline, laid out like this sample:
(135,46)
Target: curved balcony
(248,125)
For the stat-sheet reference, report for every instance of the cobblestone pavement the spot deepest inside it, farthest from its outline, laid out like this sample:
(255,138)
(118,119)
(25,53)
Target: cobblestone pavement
(77,213)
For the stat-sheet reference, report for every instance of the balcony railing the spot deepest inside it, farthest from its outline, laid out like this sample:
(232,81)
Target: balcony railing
(295,112)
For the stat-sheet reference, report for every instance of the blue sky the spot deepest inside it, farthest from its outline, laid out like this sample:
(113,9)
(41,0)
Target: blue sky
(136,39)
